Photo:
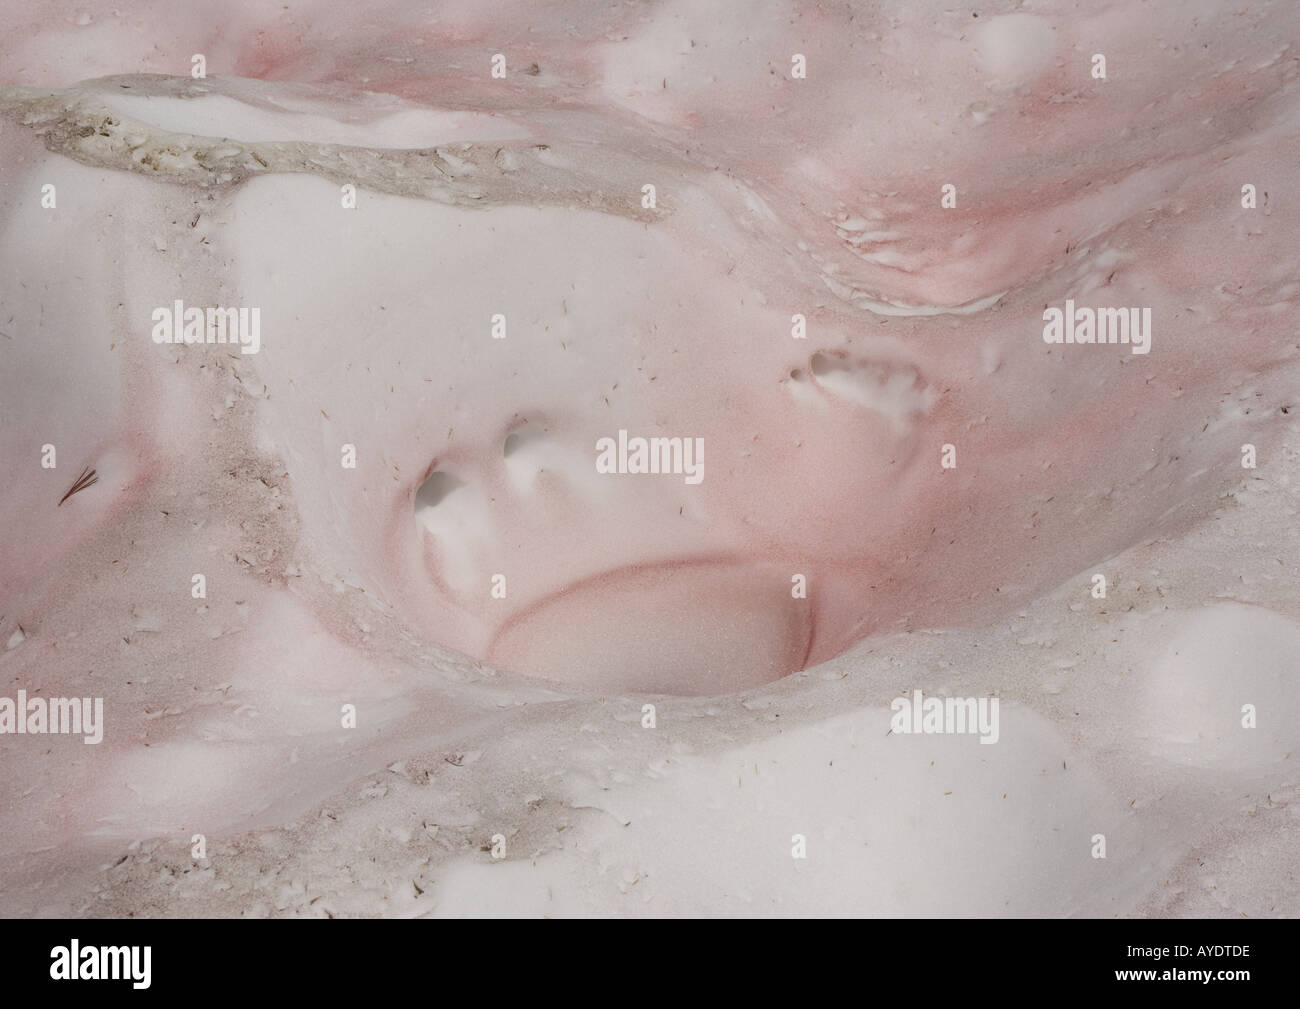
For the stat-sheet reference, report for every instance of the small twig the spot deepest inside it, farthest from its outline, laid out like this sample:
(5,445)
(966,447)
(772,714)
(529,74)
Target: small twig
(85,480)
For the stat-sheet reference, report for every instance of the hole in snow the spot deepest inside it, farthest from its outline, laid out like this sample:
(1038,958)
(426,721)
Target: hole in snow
(436,488)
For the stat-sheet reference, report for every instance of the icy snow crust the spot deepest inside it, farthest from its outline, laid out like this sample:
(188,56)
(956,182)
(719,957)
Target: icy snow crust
(1120,716)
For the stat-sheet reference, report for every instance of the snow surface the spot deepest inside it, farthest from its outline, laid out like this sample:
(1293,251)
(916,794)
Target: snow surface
(523,720)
